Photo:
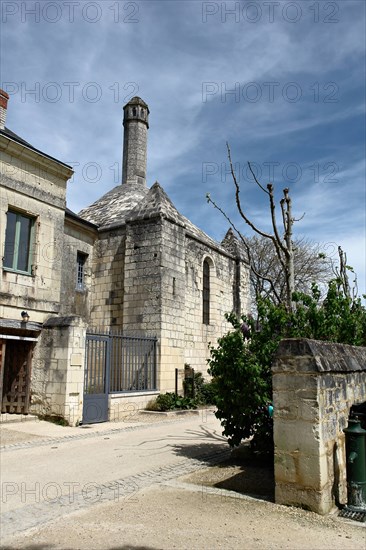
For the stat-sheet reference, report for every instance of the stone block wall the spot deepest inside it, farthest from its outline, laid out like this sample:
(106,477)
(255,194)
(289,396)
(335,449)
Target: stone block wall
(154,291)
(39,291)
(107,294)
(314,386)
(37,189)
(58,369)
(143,278)
(223,297)
(172,335)
(126,406)
(75,301)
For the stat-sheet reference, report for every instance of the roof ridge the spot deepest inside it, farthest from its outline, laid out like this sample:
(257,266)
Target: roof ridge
(156,203)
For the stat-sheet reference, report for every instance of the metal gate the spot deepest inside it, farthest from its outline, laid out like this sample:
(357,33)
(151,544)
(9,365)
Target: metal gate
(133,364)
(96,381)
(118,364)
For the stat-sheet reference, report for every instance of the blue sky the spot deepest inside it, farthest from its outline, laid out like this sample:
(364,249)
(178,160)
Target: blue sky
(282,82)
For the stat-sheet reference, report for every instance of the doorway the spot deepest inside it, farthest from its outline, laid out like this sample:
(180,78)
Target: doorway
(15,365)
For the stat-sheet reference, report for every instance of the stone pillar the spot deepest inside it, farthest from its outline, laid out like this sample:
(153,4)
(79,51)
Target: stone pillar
(58,374)
(314,386)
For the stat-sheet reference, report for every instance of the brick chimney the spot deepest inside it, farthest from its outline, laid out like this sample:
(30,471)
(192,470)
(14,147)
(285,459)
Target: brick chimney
(3,108)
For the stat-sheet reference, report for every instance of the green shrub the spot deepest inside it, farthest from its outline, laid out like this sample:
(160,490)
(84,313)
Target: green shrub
(185,403)
(208,393)
(166,401)
(241,363)
(188,387)
(170,401)
(198,389)
(243,385)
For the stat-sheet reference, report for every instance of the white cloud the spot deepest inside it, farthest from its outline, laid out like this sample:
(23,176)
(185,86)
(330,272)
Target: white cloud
(165,58)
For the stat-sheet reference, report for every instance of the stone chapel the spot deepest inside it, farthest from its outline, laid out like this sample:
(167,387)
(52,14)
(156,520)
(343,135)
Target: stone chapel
(129,264)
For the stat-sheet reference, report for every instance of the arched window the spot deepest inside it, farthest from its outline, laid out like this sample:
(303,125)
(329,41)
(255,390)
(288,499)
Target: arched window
(134,112)
(206,293)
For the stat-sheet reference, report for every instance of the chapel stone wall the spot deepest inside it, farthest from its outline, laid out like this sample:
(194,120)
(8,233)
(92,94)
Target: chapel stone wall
(142,279)
(107,284)
(172,335)
(228,280)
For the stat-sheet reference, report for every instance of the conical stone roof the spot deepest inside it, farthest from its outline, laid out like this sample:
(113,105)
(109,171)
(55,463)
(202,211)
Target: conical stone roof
(113,208)
(127,203)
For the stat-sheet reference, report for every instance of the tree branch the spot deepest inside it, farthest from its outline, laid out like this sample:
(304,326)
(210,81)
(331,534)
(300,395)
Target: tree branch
(247,247)
(278,242)
(238,203)
(253,174)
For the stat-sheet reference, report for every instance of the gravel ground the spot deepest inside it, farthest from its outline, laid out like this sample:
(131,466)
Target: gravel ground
(189,507)
(11,437)
(181,516)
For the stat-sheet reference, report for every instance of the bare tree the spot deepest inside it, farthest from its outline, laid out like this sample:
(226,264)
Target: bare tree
(341,273)
(310,265)
(281,243)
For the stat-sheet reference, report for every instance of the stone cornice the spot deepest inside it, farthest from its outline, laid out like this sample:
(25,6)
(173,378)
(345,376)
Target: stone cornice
(31,191)
(21,151)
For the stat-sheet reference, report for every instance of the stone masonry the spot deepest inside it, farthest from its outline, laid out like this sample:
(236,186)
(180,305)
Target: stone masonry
(33,185)
(314,386)
(128,262)
(38,189)
(147,271)
(59,369)
(136,124)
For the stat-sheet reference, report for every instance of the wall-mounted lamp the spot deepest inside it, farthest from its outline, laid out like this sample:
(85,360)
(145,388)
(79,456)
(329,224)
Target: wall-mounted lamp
(25,316)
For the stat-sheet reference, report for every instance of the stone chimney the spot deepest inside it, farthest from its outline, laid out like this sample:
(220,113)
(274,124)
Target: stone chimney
(3,108)
(136,124)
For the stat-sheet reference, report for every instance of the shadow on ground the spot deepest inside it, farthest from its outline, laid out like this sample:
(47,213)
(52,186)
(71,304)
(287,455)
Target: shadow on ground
(204,445)
(252,477)
(203,452)
(241,470)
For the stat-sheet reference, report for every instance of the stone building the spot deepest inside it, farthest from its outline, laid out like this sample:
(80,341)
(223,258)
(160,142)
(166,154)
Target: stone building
(129,265)
(41,350)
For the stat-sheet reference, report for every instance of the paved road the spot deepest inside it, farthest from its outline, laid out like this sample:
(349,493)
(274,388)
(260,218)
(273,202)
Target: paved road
(44,477)
(124,486)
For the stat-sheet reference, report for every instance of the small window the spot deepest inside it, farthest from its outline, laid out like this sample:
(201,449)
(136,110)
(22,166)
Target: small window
(18,242)
(80,270)
(134,112)
(206,293)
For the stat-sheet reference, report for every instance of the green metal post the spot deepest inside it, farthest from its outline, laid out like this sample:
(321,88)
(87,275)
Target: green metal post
(356,465)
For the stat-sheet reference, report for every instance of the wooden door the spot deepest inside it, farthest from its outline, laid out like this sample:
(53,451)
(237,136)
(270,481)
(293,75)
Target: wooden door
(2,364)
(16,377)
